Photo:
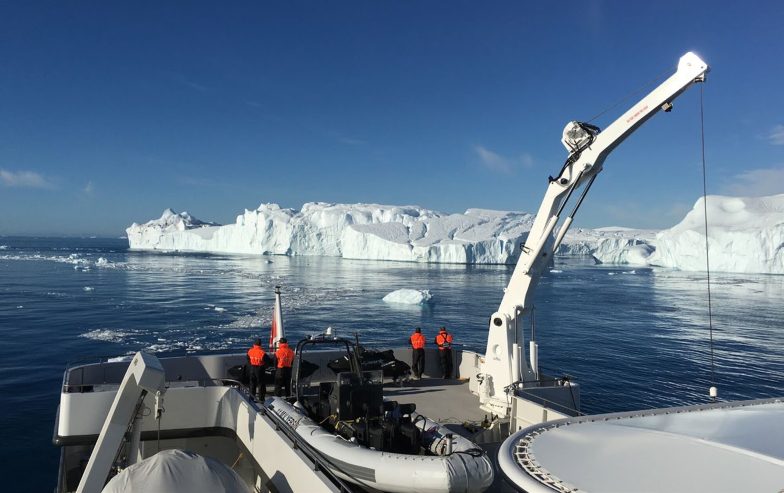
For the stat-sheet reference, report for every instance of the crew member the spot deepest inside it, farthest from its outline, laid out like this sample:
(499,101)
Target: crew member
(444,343)
(285,358)
(418,353)
(256,358)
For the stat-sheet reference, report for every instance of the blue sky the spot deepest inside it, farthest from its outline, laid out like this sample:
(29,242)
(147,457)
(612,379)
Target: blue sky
(111,112)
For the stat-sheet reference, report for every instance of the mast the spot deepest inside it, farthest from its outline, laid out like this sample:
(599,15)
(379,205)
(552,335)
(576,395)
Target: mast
(277,331)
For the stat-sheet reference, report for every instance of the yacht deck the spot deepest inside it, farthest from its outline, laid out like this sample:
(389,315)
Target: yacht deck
(444,401)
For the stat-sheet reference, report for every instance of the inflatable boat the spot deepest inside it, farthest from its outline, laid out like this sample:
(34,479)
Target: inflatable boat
(375,443)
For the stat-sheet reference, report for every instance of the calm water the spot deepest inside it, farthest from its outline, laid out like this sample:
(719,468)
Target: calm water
(634,338)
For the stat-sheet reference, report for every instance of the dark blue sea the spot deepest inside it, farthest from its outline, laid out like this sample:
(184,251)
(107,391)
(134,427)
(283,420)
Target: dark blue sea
(633,337)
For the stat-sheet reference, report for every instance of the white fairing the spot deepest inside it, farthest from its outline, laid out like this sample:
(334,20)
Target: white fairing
(726,447)
(177,471)
(462,471)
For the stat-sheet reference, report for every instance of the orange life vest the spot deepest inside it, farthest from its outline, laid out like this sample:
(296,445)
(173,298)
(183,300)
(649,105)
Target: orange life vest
(444,340)
(284,355)
(256,356)
(417,340)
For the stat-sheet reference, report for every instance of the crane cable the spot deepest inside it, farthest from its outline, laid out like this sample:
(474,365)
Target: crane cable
(647,85)
(712,391)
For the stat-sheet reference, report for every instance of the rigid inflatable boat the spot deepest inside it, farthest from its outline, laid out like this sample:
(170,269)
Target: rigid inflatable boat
(375,443)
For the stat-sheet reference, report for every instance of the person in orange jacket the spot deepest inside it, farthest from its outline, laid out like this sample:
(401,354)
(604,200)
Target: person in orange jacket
(418,353)
(444,343)
(284,356)
(256,357)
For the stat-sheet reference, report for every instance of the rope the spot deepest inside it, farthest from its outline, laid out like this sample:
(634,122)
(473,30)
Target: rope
(631,94)
(705,210)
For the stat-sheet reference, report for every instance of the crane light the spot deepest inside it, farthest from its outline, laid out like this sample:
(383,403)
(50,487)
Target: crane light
(577,136)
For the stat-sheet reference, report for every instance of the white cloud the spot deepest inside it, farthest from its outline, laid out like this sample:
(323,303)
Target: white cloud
(776,136)
(501,164)
(527,160)
(23,179)
(492,161)
(758,182)
(89,188)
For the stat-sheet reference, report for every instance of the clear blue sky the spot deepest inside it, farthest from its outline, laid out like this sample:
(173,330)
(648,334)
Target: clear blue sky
(112,111)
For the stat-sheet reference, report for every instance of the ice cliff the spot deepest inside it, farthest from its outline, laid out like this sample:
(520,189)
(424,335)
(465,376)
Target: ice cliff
(358,231)
(746,235)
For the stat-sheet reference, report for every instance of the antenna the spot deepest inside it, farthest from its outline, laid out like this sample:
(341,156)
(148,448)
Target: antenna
(712,392)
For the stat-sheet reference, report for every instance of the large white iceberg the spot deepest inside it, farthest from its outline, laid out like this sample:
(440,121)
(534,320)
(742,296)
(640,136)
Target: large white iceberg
(745,235)
(357,231)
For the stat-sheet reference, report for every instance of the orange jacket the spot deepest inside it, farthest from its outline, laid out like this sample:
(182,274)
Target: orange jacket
(284,355)
(444,340)
(256,355)
(417,340)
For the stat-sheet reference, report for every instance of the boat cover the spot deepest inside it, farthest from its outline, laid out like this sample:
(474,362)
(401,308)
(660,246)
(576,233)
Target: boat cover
(729,447)
(177,471)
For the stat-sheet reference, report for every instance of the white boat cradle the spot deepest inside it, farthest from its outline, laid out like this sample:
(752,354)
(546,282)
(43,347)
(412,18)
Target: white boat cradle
(458,463)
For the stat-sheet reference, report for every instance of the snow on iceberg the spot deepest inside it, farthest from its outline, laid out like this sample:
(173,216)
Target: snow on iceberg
(408,296)
(745,235)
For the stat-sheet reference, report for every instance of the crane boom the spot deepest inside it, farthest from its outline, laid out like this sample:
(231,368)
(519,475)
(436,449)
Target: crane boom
(588,147)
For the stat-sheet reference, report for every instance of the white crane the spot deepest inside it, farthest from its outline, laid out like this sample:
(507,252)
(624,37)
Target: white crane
(504,362)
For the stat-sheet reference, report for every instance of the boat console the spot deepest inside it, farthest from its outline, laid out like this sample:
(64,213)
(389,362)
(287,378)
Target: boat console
(350,403)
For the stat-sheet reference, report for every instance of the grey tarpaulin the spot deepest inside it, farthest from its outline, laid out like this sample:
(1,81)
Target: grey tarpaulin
(177,471)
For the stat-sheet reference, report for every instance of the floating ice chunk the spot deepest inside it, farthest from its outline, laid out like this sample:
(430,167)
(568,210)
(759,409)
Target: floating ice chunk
(89,288)
(219,309)
(20,306)
(120,359)
(555,271)
(3,247)
(106,335)
(409,296)
(101,262)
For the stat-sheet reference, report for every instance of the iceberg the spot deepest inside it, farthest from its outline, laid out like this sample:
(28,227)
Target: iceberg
(408,296)
(612,245)
(356,231)
(745,234)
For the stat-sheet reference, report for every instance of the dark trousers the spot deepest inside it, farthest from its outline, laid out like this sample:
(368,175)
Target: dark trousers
(257,385)
(445,355)
(283,382)
(418,362)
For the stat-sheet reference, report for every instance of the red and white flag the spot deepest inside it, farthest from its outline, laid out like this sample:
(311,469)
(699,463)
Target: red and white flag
(276,332)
